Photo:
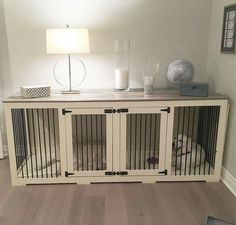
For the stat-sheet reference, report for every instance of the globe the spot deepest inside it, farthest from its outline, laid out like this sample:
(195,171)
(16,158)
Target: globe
(180,70)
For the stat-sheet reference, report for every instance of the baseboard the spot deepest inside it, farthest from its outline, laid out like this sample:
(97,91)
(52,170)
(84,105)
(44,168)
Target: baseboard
(228,180)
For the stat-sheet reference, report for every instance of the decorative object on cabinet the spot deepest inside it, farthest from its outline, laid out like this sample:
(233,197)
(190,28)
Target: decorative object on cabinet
(180,70)
(68,41)
(229,28)
(214,221)
(35,91)
(121,61)
(149,76)
(199,89)
(102,136)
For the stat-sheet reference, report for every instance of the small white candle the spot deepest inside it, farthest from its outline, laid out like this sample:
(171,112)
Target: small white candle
(121,79)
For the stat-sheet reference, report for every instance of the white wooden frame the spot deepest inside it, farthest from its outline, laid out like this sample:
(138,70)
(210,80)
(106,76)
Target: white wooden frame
(224,108)
(109,145)
(162,146)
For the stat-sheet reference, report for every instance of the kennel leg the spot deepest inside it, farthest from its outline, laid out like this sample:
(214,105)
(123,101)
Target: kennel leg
(213,179)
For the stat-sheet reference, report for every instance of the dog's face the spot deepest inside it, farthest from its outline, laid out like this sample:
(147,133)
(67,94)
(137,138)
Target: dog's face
(179,141)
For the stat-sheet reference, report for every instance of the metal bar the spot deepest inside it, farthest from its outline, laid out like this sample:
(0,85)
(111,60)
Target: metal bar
(25,141)
(196,150)
(77,142)
(105,134)
(177,141)
(82,141)
(96,118)
(45,144)
(183,124)
(216,132)
(214,137)
(18,152)
(209,153)
(16,138)
(21,137)
(50,145)
(40,147)
(192,137)
(140,142)
(145,136)
(135,139)
(35,147)
(155,139)
(54,133)
(101,145)
(207,140)
(14,132)
(30,144)
(92,138)
(150,143)
(203,127)
(19,141)
(130,148)
(211,138)
(86,131)
(186,155)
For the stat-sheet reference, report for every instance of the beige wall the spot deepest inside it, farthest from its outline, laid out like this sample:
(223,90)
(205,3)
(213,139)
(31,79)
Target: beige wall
(159,30)
(5,76)
(221,70)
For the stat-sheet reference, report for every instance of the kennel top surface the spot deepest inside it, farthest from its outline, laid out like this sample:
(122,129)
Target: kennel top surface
(111,95)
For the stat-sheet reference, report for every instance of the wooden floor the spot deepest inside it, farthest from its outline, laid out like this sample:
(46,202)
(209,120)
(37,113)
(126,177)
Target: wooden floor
(113,204)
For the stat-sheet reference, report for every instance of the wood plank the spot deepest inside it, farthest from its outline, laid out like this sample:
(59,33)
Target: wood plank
(170,203)
(111,95)
(94,210)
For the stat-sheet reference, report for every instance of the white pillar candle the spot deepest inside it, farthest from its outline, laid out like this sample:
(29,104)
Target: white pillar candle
(121,79)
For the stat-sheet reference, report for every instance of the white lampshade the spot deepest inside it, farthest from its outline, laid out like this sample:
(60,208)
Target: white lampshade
(67,41)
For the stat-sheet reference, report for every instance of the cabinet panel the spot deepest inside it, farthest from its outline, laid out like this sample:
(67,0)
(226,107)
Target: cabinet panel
(195,140)
(89,142)
(114,142)
(36,140)
(143,140)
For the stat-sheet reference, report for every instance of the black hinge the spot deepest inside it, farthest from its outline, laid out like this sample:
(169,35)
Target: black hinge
(109,111)
(164,172)
(68,174)
(122,110)
(122,173)
(166,110)
(64,111)
(110,173)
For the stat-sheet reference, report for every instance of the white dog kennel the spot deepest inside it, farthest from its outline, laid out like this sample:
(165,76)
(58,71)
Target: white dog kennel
(115,137)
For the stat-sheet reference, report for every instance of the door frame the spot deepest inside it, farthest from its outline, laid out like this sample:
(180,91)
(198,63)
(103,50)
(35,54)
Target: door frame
(162,144)
(69,141)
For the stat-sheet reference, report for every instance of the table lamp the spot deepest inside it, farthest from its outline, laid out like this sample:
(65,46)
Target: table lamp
(68,41)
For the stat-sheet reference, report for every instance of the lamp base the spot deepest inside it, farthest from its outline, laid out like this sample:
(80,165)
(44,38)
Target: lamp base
(71,92)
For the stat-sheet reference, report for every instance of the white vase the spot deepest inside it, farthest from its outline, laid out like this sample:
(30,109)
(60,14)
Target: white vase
(121,61)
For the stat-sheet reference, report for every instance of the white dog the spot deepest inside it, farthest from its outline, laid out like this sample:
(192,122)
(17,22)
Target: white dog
(186,152)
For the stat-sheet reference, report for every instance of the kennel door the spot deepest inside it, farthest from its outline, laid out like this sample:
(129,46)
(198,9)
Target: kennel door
(89,142)
(143,141)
